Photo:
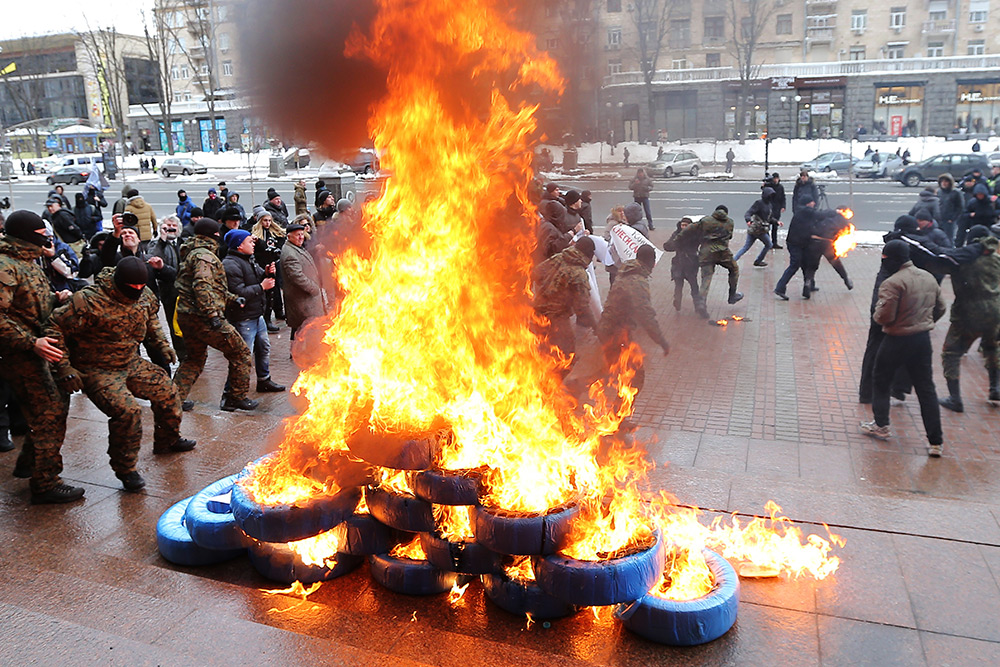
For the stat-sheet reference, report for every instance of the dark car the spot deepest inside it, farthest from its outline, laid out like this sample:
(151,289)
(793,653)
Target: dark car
(364,162)
(71,175)
(956,164)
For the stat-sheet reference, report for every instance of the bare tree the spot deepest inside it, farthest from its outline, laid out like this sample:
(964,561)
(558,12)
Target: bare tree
(105,51)
(652,22)
(747,19)
(157,46)
(26,88)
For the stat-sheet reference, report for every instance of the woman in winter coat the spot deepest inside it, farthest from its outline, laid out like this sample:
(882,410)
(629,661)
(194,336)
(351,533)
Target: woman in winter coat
(951,204)
(641,185)
(302,292)
(270,238)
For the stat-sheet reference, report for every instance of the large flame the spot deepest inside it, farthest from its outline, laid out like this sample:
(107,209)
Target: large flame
(846,240)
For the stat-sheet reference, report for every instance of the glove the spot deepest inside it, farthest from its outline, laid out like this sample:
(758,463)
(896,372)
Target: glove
(241,301)
(215,323)
(169,354)
(70,380)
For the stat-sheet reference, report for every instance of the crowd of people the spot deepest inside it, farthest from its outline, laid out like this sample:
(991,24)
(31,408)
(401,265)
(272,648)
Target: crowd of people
(77,302)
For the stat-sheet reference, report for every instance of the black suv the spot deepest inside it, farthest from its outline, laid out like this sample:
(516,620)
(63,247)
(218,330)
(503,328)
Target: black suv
(956,164)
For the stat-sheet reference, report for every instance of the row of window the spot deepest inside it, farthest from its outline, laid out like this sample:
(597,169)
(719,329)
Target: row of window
(176,19)
(175,46)
(178,72)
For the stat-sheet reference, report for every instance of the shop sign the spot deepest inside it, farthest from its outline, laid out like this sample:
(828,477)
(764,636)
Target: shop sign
(976,97)
(821,82)
(893,100)
(821,109)
(782,83)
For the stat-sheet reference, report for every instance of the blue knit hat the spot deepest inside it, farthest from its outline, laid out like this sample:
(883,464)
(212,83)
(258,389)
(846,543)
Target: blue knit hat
(234,237)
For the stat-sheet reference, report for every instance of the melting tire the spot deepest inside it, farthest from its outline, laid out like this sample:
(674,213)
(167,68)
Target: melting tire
(522,597)
(175,543)
(363,535)
(402,512)
(210,522)
(278,562)
(467,556)
(687,622)
(448,487)
(390,450)
(411,577)
(599,583)
(522,534)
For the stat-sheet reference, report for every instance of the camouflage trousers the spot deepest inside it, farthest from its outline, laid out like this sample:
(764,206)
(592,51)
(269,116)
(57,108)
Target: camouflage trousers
(45,408)
(112,391)
(725,260)
(958,341)
(198,337)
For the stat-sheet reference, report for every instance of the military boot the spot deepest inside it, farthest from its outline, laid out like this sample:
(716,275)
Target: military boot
(131,481)
(230,404)
(60,493)
(734,296)
(994,374)
(954,401)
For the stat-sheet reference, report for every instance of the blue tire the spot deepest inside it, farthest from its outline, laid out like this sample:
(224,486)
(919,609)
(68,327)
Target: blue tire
(467,556)
(175,543)
(290,523)
(277,561)
(363,535)
(398,511)
(687,622)
(209,527)
(411,577)
(599,583)
(390,450)
(524,597)
(518,534)
(448,487)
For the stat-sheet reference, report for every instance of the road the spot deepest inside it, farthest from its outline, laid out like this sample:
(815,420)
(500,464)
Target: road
(876,203)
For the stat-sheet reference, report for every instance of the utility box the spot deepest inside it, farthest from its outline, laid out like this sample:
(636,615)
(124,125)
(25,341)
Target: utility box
(570,159)
(276,167)
(341,185)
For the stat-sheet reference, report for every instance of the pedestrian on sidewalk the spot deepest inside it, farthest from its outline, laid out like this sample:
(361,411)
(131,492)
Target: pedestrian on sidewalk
(758,219)
(730,156)
(778,205)
(641,185)
(909,303)
(684,266)
(800,232)
(950,204)
(625,155)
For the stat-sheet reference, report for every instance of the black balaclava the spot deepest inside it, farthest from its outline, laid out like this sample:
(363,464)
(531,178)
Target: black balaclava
(130,271)
(24,225)
(586,245)
(646,256)
(975,233)
(894,255)
(906,224)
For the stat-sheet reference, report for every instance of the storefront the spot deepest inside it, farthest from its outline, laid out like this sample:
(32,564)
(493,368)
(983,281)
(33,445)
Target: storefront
(754,108)
(899,110)
(978,107)
(820,107)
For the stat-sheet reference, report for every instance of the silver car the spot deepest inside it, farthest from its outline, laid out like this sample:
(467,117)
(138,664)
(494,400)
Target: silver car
(675,163)
(889,164)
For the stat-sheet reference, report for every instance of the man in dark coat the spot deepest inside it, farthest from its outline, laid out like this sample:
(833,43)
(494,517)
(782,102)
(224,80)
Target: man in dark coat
(929,229)
(950,203)
(276,207)
(927,203)
(301,286)
(550,239)
(827,226)
(64,225)
(804,185)
(587,211)
(212,204)
(245,278)
(800,233)
(758,219)
(714,233)
(979,211)
(778,205)
(684,266)
(562,289)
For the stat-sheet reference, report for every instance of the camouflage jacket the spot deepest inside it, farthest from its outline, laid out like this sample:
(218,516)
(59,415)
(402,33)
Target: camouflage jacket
(26,300)
(562,287)
(977,290)
(715,232)
(202,288)
(101,328)
(629,306)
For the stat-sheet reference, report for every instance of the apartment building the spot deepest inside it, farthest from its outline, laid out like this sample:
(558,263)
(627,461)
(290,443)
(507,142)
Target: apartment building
(820,67)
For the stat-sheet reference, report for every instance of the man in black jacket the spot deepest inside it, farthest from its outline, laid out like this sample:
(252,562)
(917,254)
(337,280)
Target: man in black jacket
(246,279)
(277,208)
(212,204)
(778,205)
(978,211)
(951,204)
(800,232)
(64,224)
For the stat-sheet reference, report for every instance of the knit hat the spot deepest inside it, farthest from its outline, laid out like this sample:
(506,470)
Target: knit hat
(234,237)
(633,213)
(723,208)
(571,198)
(212,191)
(229,213)
(322,196)
(906,224)
(132,192)
(206,227)
(551,187)
(585,244)
(25,225)
(975,233)
(343,205)
(196,212)
(259,212)
(895,254)
(272,193)
(585,196)
(805,199)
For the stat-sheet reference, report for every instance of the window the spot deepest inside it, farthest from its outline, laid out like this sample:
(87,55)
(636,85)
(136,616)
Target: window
(859,20)
(746,27)
(713,60)
(223,12)
(174,46)
(680,34)
(857,53)
(935,49)
(203,70)
(227,68)
(679,63)
(551,44)
(614,7)
(895,51)
(224,41)
(187,95)
(977,47)
(614,67)
(185,72)
(175,72)
(897,17)
(614,37)
(715,27)
(938,16)
(978,16)
(178,97)
(784,25)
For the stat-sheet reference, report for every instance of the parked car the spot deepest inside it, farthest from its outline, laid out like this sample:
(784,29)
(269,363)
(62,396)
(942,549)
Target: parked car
(47,165)
(364,162)
(675,163)
(71,175)
(830,162)
(956,164)
(889,164)
(181,165)
(995,159)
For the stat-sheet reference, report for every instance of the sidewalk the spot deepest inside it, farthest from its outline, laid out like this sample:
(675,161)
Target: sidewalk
(761,409)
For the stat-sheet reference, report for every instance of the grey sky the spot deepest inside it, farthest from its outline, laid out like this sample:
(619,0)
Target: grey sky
(35,17)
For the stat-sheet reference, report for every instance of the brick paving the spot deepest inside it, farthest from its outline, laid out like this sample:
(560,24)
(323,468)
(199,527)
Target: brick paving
(762,409)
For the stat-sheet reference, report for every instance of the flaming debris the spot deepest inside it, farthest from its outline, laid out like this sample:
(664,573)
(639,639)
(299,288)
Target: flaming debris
(431,334)
(456,593)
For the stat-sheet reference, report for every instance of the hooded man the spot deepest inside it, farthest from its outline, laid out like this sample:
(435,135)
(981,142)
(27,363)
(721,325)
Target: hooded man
(550,239)
(184,207)
(213,202)
(562,289)
(979,211)
(202,299)
(26,302)
(65,226)
(975,314)
(684,266)
(587,211)
(927,204)
(277,208)
(634,217)
(758,218)
(778,205)
(714,233)
(573,206)
(99,330)
(909,303)
(950,205)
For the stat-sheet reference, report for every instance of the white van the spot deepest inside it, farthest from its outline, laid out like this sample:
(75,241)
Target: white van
(83,160)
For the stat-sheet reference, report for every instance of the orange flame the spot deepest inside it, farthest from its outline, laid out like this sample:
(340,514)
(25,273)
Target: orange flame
(411,550)
(520,569)
(320,550)
(297,588)
(722,323)
(846,212)
(456,593)
(737,318)
(453,523)
(846,240)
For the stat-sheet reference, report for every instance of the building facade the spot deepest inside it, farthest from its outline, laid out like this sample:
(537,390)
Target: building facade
(818,68)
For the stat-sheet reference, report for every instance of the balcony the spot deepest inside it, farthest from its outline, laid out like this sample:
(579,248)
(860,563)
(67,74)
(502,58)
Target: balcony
(942,27)
(713,40)
(819,35)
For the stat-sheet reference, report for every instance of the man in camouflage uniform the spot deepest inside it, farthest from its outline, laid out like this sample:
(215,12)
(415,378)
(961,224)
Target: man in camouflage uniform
(202,298)
(26,301)
(562,289)
(974,314)
(100,328)
(629,307)
(714,232)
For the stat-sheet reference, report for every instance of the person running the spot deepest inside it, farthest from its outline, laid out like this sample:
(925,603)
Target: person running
(713,233)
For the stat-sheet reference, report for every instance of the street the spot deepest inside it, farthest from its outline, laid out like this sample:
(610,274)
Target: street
(876,203)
